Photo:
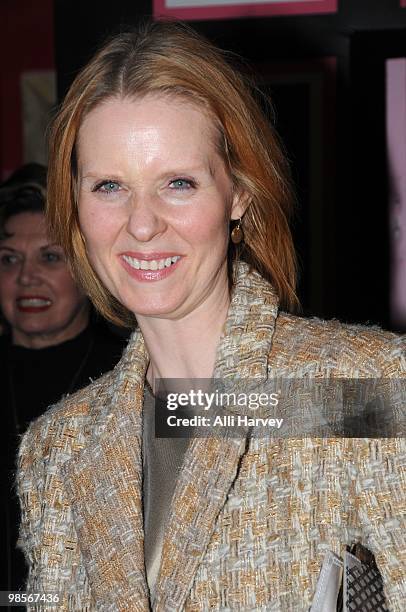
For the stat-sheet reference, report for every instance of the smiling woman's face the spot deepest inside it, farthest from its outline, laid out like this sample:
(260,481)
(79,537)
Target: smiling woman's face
(38,296)
(155,202)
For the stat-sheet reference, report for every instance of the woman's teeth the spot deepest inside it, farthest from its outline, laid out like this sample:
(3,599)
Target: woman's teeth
(35,302)
(150,264)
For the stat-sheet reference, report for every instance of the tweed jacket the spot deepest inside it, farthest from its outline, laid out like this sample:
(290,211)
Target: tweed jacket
(251,518)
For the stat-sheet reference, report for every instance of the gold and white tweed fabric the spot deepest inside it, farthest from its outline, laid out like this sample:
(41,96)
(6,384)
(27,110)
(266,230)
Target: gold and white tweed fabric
(250,519)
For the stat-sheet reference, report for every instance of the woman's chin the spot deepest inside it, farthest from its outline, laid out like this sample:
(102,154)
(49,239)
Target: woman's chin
(160,314)
(156,310)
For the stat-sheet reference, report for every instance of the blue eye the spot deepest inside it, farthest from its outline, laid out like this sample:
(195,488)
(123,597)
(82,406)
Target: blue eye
(51,257)
(107,187)
(181,184)
(8,260)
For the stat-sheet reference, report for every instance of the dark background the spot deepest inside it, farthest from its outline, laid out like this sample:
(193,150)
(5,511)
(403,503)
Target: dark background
(325,75)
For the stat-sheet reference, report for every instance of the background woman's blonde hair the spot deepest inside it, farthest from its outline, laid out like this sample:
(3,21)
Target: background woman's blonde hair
(171,59)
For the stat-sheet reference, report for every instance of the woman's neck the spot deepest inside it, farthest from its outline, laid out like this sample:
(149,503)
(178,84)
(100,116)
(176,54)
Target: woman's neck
(185,348)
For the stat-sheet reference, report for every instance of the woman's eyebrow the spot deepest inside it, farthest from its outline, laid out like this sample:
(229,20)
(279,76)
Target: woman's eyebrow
(96,175)
(51,244)
(185,169)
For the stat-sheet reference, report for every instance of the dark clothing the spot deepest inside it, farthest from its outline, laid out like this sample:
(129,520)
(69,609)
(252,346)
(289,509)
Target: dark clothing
(30,381)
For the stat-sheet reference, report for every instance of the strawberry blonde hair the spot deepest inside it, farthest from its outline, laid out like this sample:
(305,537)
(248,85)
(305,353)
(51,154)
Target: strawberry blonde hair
(171,59)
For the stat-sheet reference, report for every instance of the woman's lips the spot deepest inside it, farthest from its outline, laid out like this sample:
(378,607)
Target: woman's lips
(33,303)
(150,266)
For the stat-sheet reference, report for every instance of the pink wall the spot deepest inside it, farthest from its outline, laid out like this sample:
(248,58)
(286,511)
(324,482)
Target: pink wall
(206,9)
(26,43)
(396,146)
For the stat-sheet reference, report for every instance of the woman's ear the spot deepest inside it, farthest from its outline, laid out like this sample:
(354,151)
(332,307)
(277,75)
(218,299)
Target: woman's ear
(241,201)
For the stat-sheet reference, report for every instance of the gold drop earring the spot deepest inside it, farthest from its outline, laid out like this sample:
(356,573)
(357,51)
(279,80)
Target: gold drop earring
(237,234)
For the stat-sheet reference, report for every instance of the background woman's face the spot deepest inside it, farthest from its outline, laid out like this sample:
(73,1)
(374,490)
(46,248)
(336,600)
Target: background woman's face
(155,201)
(38,296)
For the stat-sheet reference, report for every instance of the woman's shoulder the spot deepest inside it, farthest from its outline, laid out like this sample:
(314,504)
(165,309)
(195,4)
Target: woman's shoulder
(65,427)
(64,424)
(348,350)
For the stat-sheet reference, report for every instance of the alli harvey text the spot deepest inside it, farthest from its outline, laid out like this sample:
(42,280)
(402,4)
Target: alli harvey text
(280,407)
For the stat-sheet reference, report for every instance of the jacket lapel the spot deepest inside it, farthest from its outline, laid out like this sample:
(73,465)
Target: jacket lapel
(211,464)
(104,483)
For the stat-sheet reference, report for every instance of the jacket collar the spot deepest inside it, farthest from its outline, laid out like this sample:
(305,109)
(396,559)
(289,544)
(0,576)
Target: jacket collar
(104,481)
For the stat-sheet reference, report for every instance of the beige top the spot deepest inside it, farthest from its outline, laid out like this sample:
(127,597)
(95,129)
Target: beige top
(251,519)
(161,462)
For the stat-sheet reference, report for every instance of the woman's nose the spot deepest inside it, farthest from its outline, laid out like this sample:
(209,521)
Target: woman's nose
(145,221)
(29,273)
